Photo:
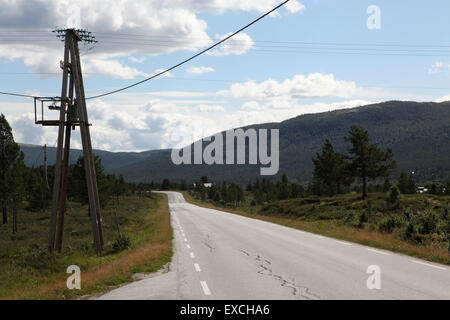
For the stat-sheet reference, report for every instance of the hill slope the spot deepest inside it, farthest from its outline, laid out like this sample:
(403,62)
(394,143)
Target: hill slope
(418,133)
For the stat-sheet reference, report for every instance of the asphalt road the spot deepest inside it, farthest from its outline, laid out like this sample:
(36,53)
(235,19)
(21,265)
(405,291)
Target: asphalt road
(218,255)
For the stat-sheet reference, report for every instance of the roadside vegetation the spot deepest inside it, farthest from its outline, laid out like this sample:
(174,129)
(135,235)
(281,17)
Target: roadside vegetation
(29,271)
(350,197)
(136,227)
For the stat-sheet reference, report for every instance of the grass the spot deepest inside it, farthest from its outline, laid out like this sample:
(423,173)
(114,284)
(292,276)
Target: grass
(325,216)
(28,271)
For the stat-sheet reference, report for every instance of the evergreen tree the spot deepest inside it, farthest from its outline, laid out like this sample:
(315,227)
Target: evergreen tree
(78,184)
(283,188)
(330,171)
(9,152)
(165,184)
(16,178)
(34,190)
(387,185)
(367,161)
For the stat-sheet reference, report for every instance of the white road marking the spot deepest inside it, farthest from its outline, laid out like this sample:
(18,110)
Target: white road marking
(197,267)
(346,243)
(378,251)
(188,246)
(428,264)
(317,236)
(185,240)
(205,288)
(192,255)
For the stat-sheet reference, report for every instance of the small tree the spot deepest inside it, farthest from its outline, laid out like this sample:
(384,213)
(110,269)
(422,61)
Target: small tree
(406,184)
(165,184)
(367,161)
(16,178)
(283,190)
(394,197)
(330,171)
(78,184)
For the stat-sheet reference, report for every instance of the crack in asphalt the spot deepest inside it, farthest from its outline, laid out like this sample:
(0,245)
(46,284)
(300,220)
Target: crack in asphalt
(207,242)
(265,269)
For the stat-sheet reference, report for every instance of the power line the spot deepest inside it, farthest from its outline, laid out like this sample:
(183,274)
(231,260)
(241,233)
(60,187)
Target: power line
(171,68)
(19,95)
(192,57)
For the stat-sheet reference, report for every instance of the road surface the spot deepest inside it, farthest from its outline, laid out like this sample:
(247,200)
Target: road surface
(219,255)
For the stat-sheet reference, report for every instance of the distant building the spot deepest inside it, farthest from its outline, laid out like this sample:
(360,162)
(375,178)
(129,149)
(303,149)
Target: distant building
(422,190)
(206,185)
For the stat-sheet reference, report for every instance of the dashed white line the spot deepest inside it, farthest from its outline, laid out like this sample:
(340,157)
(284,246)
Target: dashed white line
(185,240)
(205,288)
(197,267)
(192,255)
(188,246)
(378,251)
(428,264)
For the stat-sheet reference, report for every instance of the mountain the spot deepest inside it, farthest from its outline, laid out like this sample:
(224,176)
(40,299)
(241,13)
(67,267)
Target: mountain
(418,134)
(34,156)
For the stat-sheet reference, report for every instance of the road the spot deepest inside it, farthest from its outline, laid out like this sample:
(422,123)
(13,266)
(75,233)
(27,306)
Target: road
(219,255)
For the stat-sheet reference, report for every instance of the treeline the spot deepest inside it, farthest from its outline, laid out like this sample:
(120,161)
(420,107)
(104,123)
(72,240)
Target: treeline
(262,191)
(31,189)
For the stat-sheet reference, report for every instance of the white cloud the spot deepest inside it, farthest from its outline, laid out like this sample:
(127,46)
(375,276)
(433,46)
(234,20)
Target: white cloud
(219,6)
(294,6)
(251,105)
(442,99)
(169,25)
(137,60)
(209,108)
(239,44)
(112,68)
(200,70)
(314,85)
(438,66)
(167,74)
(160,123)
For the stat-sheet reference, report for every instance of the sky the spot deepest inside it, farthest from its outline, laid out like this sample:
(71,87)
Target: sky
(310,56)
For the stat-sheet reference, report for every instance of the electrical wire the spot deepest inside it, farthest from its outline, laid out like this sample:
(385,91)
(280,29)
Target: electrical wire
(171,68)
(192,57)
(19,95)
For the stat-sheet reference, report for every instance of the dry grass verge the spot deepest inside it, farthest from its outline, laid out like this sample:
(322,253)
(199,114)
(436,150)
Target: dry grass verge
(152,250)
(335,229)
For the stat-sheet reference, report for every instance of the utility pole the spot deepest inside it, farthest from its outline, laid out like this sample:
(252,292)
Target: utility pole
(72,112)
(44,181)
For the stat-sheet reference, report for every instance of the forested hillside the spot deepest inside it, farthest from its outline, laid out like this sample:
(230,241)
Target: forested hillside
(418,134)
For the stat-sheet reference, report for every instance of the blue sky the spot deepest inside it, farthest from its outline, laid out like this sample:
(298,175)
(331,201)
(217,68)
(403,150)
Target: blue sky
(314,56)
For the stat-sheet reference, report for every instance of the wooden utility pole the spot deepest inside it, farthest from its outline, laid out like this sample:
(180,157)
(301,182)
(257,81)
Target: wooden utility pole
(72,112)
(44,181)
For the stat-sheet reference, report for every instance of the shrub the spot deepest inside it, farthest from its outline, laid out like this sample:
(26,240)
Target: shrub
(388,224)
(121,243)
(363,218)
(393,198)
(410,230)
(428,222)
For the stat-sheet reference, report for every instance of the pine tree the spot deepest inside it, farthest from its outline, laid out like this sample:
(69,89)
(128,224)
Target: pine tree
(15,179)
(330,171)
(9,152)
(367,161)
